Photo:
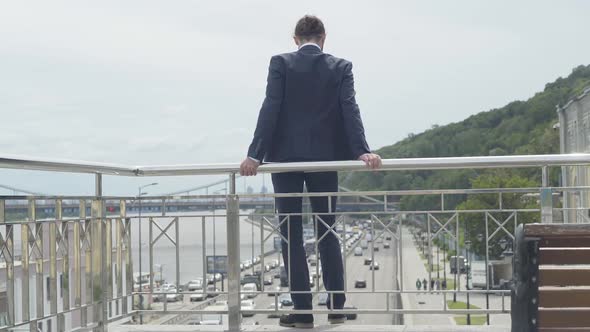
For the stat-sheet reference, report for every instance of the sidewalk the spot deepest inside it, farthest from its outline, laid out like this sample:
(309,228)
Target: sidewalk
(414,269)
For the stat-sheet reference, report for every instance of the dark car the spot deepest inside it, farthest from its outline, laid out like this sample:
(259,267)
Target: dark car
(360,283)
(350,316)
(268,281)
(386,245)
(375,248)
(250,279)
(374,266)
(368,261)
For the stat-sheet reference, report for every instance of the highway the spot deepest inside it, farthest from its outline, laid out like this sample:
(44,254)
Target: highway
(355,269)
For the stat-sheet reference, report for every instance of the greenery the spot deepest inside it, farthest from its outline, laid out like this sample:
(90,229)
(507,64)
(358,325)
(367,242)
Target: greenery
(462,320)
(475,320)
(521,127)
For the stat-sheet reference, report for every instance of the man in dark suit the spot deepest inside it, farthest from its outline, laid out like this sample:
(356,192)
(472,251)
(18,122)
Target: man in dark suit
(309,114)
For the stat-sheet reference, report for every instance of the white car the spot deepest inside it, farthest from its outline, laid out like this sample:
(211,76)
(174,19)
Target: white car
(194,285)
(358,251)
(198,296)
(249,290)
(172,295)
(248,305)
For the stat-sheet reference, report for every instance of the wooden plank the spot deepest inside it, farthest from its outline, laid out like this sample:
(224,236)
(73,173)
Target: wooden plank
(564,256)
(568,276)
(556,230)
(560,297)
(564,318)
(565,242)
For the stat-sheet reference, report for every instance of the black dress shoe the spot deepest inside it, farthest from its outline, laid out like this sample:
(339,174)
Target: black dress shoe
(299,321)
(336,318)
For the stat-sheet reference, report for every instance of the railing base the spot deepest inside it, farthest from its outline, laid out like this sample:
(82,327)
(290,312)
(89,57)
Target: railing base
(331,328)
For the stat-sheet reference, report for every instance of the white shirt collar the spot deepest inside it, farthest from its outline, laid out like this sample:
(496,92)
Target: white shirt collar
(310,43)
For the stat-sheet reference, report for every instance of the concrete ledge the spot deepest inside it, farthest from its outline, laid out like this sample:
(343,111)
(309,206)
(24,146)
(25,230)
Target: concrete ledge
(327,328)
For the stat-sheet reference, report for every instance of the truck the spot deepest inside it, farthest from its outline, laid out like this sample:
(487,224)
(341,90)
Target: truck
(457,262)
(499,274)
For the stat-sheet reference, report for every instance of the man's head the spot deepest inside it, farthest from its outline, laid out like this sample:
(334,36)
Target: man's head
(309,29)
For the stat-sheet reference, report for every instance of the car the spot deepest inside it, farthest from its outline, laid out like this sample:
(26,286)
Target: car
(210,279)
(350,316)
(368,261)
(198,296)
(323,299)
(256,259)
(211,290)
(242,267)
(311,281)
(375,248)
(194,285)
(386,245)
(218,276)
(285,300)
(312,260)
(267,268)
(358,251)
(247,305)
(374,266)
(268,281)
(172,295)
(388,238)
(277,275)
(275,314)
(249,290)
(250,279)
(274,264)
(276,291)
(360,283)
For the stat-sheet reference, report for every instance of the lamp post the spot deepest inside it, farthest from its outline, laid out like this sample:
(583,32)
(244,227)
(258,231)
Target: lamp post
(467,247)
(161,269)
(438,260)
(480,239)
(139,194)
(445,258)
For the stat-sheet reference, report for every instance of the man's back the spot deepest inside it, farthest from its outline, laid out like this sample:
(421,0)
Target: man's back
(310,113)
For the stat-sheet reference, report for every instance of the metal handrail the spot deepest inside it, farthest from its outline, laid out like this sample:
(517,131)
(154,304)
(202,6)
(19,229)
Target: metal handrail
(76,166)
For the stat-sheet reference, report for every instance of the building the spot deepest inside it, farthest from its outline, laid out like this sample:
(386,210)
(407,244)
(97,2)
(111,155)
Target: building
(574,136)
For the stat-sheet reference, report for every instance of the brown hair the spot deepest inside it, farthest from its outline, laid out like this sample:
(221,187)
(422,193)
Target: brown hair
(309,27)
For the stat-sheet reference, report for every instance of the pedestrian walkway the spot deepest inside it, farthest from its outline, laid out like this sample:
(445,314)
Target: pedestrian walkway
(413,269)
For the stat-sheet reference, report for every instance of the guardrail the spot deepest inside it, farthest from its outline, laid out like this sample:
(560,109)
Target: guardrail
(82,243)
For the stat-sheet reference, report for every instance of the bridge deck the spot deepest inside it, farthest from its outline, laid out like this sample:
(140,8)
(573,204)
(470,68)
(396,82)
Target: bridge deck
(331,328)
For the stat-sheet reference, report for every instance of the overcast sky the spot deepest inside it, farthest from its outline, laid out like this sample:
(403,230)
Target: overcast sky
(142,82)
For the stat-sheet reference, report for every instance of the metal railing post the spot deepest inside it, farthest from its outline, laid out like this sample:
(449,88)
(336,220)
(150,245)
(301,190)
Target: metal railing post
(99,264)
(233,257)
(546,197)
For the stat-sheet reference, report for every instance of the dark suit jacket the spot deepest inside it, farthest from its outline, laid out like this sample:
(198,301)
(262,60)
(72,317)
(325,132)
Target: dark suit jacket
(310,112)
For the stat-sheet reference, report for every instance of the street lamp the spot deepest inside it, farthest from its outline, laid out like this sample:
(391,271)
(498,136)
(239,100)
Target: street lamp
(438,259)
(480,239)
(161,269)
(139,194)
(467,247)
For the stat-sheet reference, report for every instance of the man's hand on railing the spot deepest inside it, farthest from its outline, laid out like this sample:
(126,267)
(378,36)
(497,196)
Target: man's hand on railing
(249,167)
(372,160)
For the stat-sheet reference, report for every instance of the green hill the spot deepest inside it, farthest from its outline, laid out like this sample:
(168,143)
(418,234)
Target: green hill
(521,127)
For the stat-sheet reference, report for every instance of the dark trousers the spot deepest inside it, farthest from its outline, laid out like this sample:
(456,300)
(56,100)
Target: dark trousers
(328,246)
